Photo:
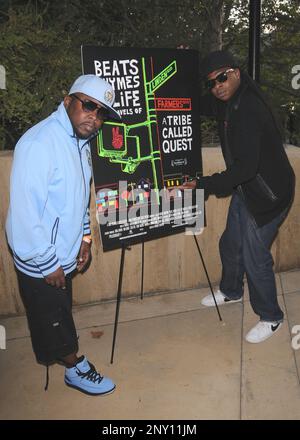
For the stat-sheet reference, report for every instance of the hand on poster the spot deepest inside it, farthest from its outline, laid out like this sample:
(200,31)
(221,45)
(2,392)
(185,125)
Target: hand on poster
(56,279)
(189,184)
(83,256)
(171,193)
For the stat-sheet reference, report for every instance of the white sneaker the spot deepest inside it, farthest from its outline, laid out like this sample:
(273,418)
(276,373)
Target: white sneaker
(262,331)
(221,299)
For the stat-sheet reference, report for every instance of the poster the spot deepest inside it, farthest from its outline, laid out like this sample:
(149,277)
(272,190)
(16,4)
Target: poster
(154,148)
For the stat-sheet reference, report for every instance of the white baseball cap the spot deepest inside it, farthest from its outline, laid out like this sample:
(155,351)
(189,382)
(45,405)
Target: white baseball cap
(97,88)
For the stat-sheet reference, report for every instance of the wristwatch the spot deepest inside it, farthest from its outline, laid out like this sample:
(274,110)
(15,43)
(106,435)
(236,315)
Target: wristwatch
(87,239)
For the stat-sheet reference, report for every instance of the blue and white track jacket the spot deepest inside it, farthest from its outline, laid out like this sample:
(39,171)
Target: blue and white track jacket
(49,197)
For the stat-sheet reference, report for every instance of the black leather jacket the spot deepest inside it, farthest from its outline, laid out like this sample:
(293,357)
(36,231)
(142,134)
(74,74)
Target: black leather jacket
(256,162)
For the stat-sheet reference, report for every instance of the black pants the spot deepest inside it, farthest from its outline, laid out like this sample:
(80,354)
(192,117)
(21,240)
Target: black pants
(245,248)
(50,320)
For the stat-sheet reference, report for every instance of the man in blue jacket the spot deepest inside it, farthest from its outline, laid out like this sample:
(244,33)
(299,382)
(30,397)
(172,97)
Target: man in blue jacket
(48,224)
(261,181)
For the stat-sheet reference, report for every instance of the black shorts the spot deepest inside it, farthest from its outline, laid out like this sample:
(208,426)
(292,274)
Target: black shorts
(50,320)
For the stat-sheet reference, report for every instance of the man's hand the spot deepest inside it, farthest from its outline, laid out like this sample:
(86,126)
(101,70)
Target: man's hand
(56,279)
(190,184)
(173,192)
(83,256)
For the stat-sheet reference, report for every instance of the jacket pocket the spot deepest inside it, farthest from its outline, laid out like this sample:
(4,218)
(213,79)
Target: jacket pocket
(55,335)
(54,231)
(265,188)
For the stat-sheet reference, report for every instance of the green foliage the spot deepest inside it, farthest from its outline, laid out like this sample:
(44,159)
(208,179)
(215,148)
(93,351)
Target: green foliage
(35,60)
(280,52)
(280,42)
(40,47)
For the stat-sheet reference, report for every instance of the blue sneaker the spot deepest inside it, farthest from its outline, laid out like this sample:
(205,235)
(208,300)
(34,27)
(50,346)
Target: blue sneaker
(84,377)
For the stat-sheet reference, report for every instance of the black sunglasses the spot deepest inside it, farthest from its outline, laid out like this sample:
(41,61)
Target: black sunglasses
(222,77)
(90,106)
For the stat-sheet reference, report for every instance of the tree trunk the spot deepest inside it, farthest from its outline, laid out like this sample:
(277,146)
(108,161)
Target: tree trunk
(216,19)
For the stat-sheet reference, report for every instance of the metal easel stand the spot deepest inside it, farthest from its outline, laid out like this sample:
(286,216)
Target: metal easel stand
(118,301)
(206,273)
(142,288)
(120,293)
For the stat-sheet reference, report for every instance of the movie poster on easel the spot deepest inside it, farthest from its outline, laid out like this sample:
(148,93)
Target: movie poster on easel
(153,149)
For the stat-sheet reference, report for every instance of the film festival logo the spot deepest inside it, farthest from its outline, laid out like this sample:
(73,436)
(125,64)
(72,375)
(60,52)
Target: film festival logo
(2,337)
(2,78)
(194,221)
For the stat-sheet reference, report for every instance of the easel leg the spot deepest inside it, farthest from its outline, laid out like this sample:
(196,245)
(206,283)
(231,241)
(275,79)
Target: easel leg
(142,275)
(118,303)
(206,273)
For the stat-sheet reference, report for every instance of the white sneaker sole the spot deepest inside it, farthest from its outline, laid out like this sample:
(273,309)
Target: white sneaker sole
(88,393)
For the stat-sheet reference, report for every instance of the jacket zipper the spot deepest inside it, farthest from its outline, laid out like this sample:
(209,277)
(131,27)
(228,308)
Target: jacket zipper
(240,190)
(265,187)
(239,187)
(228,156)
(80,158)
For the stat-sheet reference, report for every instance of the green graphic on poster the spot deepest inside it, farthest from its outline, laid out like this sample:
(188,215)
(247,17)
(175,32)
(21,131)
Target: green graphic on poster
(119,155)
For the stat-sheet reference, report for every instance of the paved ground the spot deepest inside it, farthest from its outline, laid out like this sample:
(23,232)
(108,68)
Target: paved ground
(174,360)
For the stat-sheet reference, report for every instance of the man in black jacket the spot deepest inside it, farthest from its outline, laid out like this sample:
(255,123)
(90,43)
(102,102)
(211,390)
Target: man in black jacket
(261,181)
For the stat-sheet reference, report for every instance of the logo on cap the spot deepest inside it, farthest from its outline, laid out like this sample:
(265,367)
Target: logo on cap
(108,96)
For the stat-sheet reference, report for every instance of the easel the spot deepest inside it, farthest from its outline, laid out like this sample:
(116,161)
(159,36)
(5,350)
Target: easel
(124,247)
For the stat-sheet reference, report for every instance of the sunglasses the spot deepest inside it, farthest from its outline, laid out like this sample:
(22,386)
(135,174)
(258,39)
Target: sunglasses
(221,78)
(90,106)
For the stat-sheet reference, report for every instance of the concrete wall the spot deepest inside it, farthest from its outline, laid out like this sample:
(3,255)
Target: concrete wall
(171,263)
